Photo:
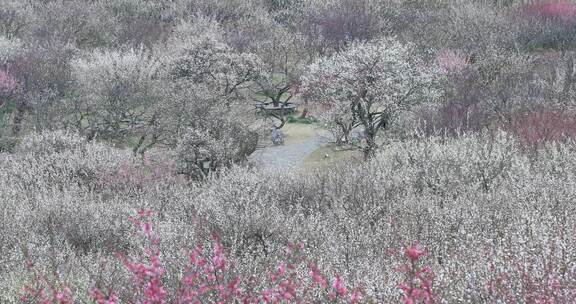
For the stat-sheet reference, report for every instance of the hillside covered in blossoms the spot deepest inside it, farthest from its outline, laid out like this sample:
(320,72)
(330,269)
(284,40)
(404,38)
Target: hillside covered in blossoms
(287,151)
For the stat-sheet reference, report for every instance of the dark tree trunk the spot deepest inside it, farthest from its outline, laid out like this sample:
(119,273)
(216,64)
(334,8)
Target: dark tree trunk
(283,120)
(136,148)
(304,113)
(18,118)
(370,148)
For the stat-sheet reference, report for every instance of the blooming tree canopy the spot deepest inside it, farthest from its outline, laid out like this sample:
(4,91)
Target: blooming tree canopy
(116,90)
(208,76)
(199,55)
(284,58)
(9,49)
(369,83)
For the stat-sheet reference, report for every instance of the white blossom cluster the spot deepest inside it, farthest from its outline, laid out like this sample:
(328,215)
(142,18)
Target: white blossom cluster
(458,197)
(369,84)
(464,111)
(9,49)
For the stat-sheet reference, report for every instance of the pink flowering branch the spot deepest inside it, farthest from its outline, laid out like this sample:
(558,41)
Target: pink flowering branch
(531,281)
(451,61)
(208,279)
(417,288)
(42,291)
(101,298)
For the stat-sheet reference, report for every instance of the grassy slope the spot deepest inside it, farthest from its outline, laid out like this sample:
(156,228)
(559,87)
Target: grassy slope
(328,156)
(298,133)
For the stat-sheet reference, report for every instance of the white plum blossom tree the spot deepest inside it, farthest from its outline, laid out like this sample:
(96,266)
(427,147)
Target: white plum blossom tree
(208,79)
(284,57)
(337,119)
(118,95)
(200,55)
(205,150)
(368,84)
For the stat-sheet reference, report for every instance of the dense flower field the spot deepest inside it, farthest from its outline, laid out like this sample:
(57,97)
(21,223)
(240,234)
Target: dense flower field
(429,151)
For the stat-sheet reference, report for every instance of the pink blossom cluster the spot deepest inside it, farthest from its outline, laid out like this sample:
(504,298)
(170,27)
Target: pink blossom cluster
(417,288)
(45,292)
(287,285)
(560,10)
(100,298)
(526,282)
(451,61)
(207,279)
(8,83)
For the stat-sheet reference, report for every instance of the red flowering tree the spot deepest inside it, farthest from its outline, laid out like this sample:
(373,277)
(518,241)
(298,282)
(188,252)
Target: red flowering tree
(536,128)
(558,10)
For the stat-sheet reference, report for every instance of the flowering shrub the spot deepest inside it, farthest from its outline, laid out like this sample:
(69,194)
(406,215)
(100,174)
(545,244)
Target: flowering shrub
(62,158)
(47,143)
(549,24)
(547,279)
(415,189)
(199,54)
(463,111)
(220,144)
(336,118)
(117,89)
(199,64)
(333,25)
(9,49)
(140,174)
(454,117)
(520,285)
(43,291)
(209,278)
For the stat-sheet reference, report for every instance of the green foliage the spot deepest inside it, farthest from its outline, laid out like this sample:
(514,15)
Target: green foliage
(303,120)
